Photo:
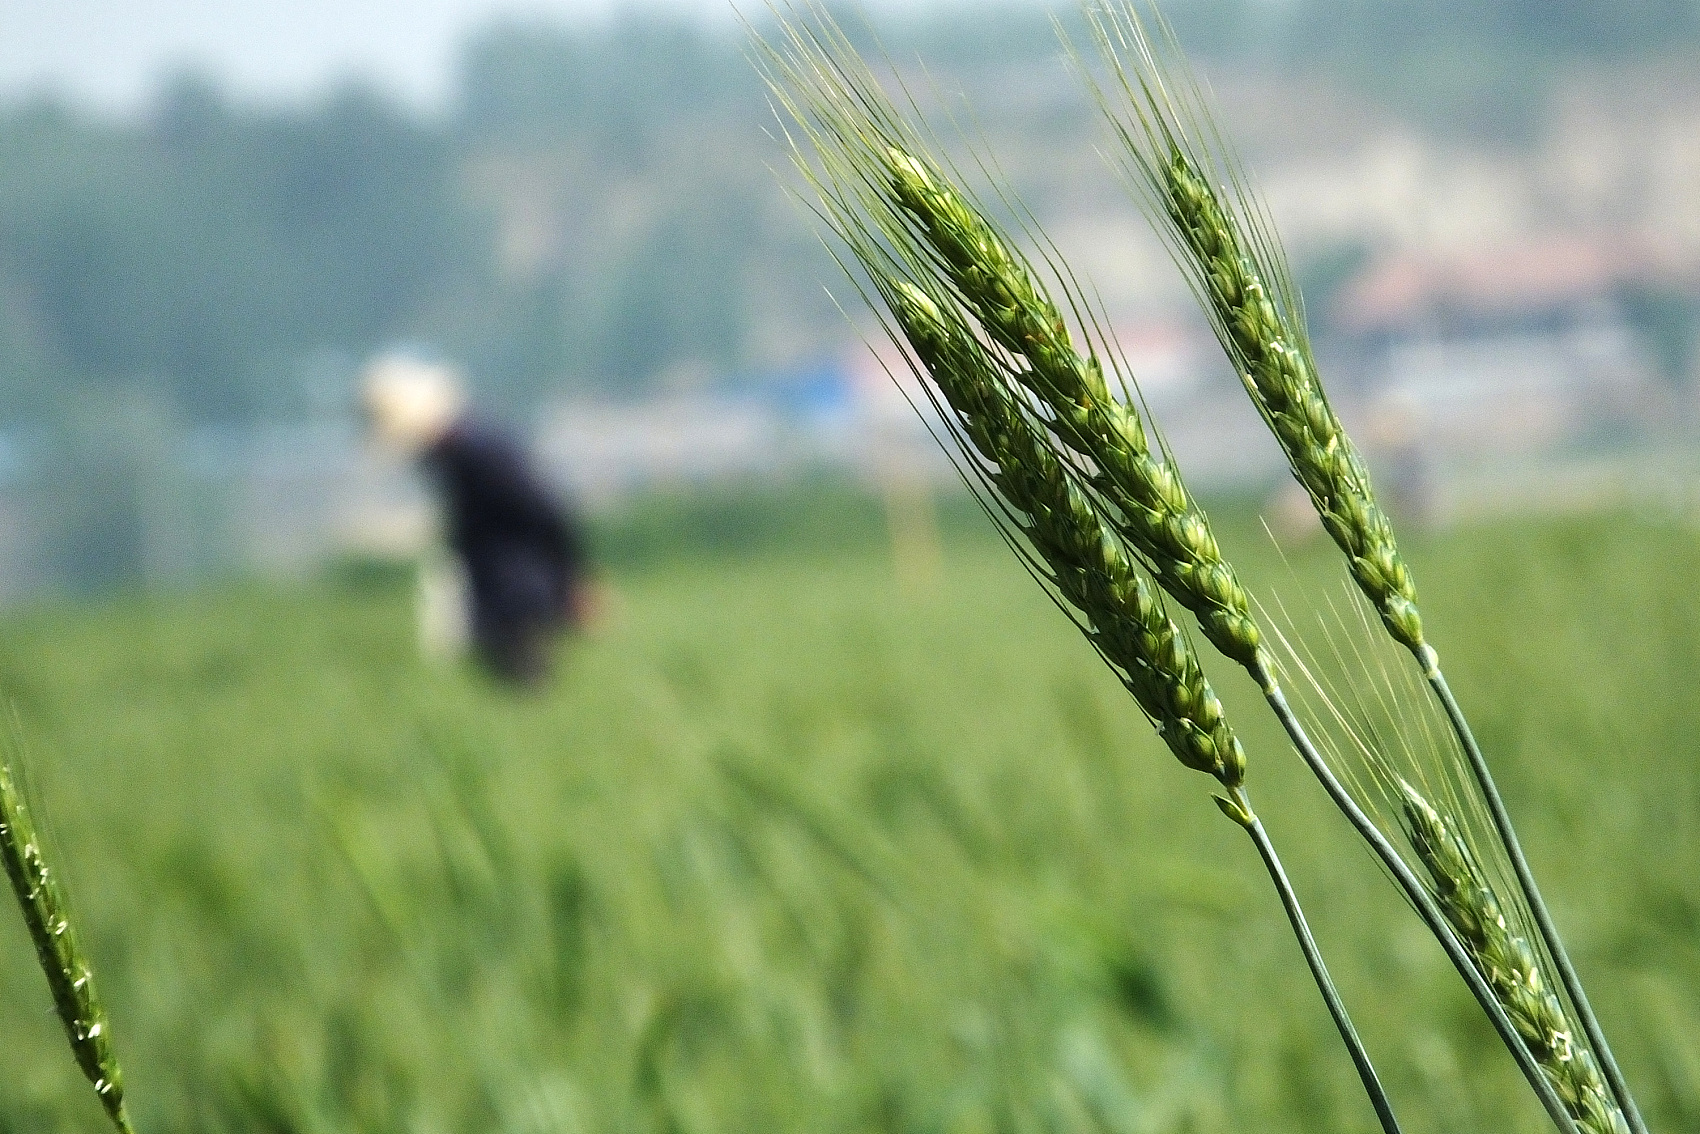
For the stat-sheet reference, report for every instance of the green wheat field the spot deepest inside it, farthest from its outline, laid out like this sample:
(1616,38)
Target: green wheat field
(789,846)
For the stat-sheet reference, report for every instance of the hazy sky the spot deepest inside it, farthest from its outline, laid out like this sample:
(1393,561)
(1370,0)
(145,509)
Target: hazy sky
(111,52)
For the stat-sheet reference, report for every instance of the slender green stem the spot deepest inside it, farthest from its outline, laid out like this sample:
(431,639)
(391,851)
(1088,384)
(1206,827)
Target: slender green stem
(1318,970)
(1424,903)
(1526,877)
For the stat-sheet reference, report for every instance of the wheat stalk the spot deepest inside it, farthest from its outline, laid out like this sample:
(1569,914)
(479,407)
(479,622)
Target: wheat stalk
(1238,272)
(977,322)
(47,914)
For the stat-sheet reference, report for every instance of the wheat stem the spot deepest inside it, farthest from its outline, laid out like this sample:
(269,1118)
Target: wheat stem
(1319,970)
(46,912)
(1526,878)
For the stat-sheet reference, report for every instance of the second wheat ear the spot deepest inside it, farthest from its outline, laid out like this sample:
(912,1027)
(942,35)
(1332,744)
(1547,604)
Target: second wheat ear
(1512,967)
(1173,156)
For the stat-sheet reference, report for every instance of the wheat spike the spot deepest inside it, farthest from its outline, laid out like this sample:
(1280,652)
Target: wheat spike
(1276,366)
(1236,270)
(1509,963)
(1084,558)
(1154,510)
(47,915)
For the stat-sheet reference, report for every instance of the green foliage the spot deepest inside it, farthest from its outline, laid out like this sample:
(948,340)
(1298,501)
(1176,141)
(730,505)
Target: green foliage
(212,250)
(788,848)
(215,249)
(697,527)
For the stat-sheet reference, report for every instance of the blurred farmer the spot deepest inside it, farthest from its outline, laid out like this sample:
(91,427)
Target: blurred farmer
(520,547)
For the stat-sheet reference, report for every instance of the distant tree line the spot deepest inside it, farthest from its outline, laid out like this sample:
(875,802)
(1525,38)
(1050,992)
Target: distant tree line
(231,263)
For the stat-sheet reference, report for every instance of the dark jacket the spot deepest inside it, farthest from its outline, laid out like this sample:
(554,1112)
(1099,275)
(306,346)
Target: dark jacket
(521,547)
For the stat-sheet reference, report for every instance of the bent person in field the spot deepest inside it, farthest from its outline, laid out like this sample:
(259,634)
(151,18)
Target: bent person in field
(519,545)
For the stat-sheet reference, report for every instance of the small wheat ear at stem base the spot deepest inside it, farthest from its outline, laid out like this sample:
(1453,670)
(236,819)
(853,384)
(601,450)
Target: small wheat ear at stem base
(1237,806)
(1424,903)
(68,977)
(1430,662)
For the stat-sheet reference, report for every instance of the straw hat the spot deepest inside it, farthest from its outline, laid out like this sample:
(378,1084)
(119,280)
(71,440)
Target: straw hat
(411,404)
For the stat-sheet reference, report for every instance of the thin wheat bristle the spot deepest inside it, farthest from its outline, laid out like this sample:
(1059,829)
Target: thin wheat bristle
(46,913)
(1511,967)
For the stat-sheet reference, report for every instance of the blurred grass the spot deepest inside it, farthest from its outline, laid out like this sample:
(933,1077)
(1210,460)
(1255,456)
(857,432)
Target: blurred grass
(789,847)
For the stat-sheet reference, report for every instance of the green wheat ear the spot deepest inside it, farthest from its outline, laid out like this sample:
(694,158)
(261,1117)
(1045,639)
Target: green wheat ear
(1235,266)
(1082,556)
(1275,362)
(1155,513)
(1061,464)
(1510,964)
(47,914)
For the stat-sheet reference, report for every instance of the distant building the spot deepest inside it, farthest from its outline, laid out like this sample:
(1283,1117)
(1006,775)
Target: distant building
(1473,362)
(841,413)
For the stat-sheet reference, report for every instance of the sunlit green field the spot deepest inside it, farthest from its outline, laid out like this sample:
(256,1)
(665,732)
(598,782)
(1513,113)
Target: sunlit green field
(790,847)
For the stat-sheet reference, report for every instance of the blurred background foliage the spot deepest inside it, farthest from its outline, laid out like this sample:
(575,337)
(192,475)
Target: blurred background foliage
(790,847)
(190,285)
(206,251)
